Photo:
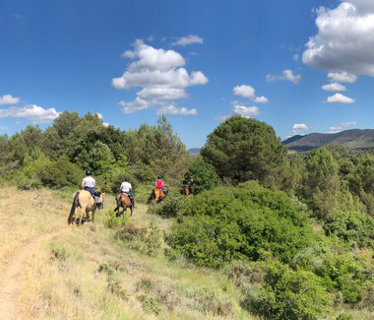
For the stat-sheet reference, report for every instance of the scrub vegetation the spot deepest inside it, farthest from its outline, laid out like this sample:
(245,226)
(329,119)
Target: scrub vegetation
(265,235)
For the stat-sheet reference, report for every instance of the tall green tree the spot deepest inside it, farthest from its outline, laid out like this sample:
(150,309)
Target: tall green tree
(241,149)
(159,148)
(7,158)
(321,182)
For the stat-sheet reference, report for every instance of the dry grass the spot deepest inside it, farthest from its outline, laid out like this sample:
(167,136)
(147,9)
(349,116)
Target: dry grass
(84,273)
(25,215)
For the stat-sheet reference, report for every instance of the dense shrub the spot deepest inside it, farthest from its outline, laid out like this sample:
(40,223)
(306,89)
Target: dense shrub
(353,227)
(60,173)
(145,240)
(224,224)
(284,294)
(346,274)
(170,206)
(113,222)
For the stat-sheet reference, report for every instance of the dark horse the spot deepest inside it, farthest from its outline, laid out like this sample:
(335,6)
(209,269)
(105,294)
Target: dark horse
(158,194)
(123,201)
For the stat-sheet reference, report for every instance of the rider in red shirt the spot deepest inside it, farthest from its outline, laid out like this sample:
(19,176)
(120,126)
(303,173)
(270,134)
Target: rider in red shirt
(159,182)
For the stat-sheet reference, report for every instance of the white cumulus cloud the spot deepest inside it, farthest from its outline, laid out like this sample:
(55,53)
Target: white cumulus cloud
(342,76)
(261,99)
(32,112)
(334,87)
(248,92)
(245,91)
(339,98)
(134,106)
(8,99)
(287,75)
(344,39)
(160,75)
(175,110)
(299,128)
(245,111)
(190,39)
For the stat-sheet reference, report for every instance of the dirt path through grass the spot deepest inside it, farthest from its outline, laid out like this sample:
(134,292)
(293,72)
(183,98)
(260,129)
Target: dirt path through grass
(23,228)
(11,279)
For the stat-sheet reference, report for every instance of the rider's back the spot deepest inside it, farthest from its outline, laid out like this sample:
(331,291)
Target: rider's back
(88,182)
(159,183)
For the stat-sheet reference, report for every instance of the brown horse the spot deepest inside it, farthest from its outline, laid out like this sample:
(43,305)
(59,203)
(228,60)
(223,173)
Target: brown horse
(158,194)
(84,200)
(123,201)
(185,190)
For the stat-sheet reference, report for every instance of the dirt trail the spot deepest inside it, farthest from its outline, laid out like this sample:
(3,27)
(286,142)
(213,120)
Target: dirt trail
(11,278)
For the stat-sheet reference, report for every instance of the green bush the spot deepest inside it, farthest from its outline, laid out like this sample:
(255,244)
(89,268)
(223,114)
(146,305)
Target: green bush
(60,173)
(285,294)
(144,240)
(170,206)
(113,222)
(346,274)
(352,227)
(224,224)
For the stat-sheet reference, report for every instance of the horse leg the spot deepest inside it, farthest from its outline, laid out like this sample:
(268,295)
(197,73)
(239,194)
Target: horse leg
(118,202)
(83,211)
(131,210)
(118,214)
(151,197)
(121,213)
(93,215)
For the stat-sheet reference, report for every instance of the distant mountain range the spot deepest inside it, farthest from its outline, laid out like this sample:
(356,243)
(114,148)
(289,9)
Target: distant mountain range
(194,152)
(353,139)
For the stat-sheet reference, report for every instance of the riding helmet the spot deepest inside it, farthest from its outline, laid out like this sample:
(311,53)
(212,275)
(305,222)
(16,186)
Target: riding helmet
(158,177)
(127,179)
(88,173)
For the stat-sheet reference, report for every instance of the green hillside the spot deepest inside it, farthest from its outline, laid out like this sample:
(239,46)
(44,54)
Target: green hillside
(353,139)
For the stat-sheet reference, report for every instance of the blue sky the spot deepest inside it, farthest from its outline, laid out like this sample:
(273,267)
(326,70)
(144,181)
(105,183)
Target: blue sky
(196,61)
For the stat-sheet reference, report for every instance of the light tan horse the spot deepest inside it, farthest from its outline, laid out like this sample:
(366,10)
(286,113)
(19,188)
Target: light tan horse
(84,200)
(158,194)
(123,201)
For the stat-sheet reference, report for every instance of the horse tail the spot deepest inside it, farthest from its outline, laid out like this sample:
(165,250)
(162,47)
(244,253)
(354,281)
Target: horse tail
(74,205)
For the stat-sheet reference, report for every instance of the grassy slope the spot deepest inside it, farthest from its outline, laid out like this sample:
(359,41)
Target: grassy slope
(83,273)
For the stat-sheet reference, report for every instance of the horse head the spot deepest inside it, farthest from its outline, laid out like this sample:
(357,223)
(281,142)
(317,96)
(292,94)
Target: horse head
(100,195)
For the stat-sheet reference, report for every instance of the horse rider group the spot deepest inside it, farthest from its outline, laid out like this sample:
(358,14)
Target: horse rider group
(88,184)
